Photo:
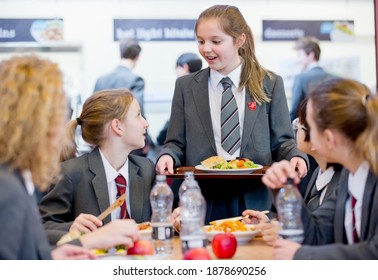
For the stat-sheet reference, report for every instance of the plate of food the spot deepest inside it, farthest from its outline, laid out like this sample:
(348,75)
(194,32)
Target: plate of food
(217,164)
(243,232)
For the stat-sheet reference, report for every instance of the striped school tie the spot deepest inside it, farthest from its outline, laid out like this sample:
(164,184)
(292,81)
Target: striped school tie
(230,127)
(356,238)
(121,189)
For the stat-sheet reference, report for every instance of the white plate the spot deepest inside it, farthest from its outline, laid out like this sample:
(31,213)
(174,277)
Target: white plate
(228,171)
(243,237)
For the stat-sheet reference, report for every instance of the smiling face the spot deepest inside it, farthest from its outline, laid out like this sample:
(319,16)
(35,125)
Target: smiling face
(135,127)
(217,47)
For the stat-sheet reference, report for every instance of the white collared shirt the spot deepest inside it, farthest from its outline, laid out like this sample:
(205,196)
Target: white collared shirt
(28,181)
(356,187)
(215,101)
(111,175)
(322,182)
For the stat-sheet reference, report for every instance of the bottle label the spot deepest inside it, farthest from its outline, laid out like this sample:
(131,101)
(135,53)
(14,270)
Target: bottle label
(162,232)
(194,243)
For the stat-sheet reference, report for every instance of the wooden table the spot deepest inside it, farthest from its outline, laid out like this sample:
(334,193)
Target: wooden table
(257,249)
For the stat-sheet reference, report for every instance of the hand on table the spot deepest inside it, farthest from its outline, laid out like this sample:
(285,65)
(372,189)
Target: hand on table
(285,249)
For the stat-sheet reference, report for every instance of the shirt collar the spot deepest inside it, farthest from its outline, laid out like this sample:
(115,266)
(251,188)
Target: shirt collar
(216,77)
(28,181)
(110,172)
(357,181)
(324,178)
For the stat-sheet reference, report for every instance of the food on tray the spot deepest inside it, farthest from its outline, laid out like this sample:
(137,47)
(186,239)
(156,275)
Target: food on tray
(229,226)
(217,162)
(213,161)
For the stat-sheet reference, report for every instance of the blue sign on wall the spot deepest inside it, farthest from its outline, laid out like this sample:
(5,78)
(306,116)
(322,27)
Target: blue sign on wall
(154,29)
(31,30)
(291,30)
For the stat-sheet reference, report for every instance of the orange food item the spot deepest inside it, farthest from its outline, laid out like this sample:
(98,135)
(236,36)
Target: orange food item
(228,226)
(144,226)
(240,163)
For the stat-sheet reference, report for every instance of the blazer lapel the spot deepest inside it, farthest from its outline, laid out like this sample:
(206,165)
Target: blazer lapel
(137,191)
(100,185)
(201,100)
(250,117)
(367,205)
(342,196)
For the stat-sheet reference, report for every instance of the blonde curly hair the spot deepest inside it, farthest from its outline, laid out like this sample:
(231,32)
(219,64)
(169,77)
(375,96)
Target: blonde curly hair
(32,116)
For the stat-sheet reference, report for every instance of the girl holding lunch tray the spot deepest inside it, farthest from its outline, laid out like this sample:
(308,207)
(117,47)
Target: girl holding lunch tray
(260,129)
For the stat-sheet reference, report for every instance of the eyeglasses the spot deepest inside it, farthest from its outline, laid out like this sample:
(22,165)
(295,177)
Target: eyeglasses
(297,125)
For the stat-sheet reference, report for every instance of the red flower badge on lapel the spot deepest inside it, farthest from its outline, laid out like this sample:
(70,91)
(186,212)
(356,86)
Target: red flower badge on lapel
(252,105)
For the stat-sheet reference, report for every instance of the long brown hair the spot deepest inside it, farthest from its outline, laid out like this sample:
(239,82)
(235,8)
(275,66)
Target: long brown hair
(32,116)
(233,23)
(98,110)
(349,107)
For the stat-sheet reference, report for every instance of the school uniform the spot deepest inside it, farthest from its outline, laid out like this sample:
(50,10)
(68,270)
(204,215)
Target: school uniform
(267,136)
(21,236)
(330,224)
(83,189)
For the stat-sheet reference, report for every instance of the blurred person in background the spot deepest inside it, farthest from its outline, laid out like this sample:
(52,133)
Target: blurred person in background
(186,63)
(111,121)
(123,77)
(308,55)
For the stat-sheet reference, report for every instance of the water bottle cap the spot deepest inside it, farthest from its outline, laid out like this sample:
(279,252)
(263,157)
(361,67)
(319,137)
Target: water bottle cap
(289,181)
(161,177)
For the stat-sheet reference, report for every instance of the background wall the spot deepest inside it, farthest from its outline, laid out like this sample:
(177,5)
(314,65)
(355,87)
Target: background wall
(88,26)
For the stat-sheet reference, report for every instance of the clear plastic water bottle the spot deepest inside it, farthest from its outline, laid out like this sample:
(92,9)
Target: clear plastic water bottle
(289,207)
(161,199)
(189,182)
(192,219)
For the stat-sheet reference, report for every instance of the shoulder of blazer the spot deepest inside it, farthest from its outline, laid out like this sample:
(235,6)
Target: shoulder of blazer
(142,162)
(89,161)
(270,82)
(199,76)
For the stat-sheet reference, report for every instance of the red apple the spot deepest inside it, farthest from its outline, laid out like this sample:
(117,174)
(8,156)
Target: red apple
(224,245)
(197,254)
(141,247)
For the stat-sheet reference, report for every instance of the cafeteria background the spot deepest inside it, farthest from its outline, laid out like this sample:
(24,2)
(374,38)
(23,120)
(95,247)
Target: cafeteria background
(88,48)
